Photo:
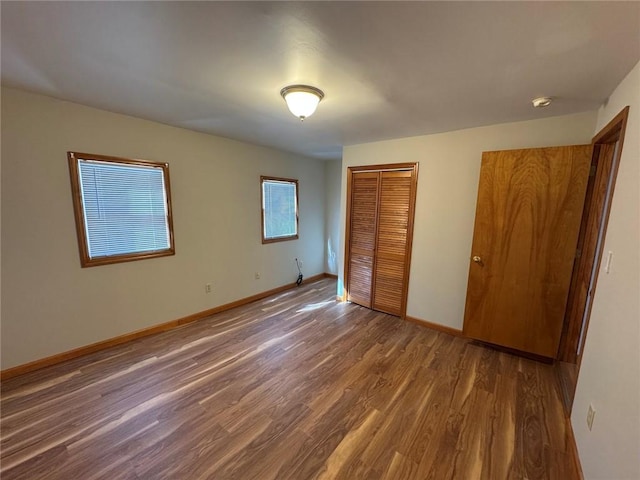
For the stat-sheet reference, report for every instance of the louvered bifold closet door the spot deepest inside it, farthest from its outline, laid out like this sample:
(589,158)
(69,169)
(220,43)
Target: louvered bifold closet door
(392,241)
(364,210)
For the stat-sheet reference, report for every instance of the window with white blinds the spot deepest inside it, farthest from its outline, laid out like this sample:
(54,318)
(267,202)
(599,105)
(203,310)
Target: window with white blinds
(279,209)
(123,208)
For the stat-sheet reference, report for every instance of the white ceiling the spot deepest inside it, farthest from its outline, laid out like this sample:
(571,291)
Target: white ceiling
(388,69)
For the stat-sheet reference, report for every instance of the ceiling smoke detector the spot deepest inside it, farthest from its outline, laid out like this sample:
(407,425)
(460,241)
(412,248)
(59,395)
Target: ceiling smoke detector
(541,102)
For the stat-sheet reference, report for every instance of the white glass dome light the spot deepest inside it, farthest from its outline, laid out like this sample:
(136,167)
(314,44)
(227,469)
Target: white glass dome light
(302,100)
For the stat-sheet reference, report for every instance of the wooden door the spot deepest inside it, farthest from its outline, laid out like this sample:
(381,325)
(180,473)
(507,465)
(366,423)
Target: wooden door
(380,211)
(392,245)
(524,244)
(362,238)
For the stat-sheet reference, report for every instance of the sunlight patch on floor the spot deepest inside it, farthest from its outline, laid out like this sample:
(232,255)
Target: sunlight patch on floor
(314,306)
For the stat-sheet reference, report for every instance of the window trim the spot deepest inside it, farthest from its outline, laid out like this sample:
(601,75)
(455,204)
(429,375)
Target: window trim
(78,209)
(264,178)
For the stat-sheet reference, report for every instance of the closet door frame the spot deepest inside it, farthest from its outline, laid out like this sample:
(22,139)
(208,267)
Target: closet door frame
(413,168)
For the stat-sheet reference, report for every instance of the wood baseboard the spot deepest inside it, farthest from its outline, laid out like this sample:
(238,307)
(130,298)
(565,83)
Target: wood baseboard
(331,275)
(434,326)
(572,451)
(145,332)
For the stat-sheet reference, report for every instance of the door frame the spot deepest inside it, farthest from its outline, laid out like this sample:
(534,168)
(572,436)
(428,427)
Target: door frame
(606,171)
(387,167)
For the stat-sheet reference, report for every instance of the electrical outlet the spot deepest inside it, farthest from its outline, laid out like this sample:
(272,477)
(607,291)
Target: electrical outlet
(257,275)
(590,415)
(207,288)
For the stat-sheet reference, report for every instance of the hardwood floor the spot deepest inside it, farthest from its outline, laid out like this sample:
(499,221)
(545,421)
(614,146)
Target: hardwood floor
(295,386)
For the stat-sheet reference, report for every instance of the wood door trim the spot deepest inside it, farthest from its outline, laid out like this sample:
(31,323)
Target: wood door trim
(413,167)
(386,167)
(613,132)
(575,274)
(603,156)
(347,238)
(412,212)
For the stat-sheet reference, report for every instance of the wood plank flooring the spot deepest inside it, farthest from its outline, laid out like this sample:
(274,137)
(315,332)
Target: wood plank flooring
(295,386)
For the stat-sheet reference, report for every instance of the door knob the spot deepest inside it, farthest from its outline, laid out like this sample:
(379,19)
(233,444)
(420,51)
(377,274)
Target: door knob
(477,259)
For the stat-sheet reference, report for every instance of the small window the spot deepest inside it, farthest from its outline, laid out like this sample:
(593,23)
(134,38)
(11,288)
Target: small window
(279,209)
(122,208)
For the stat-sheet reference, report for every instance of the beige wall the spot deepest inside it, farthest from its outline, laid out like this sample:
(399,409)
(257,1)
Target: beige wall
(50,304)
(446,199)
(610,373)
(333,173)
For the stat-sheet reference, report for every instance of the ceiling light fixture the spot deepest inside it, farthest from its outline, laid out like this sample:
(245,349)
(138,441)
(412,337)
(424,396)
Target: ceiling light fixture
(302,100)
(541,102)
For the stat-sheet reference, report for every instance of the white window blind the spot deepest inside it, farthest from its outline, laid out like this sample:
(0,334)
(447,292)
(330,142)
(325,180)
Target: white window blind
(125,208)
(280,209)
